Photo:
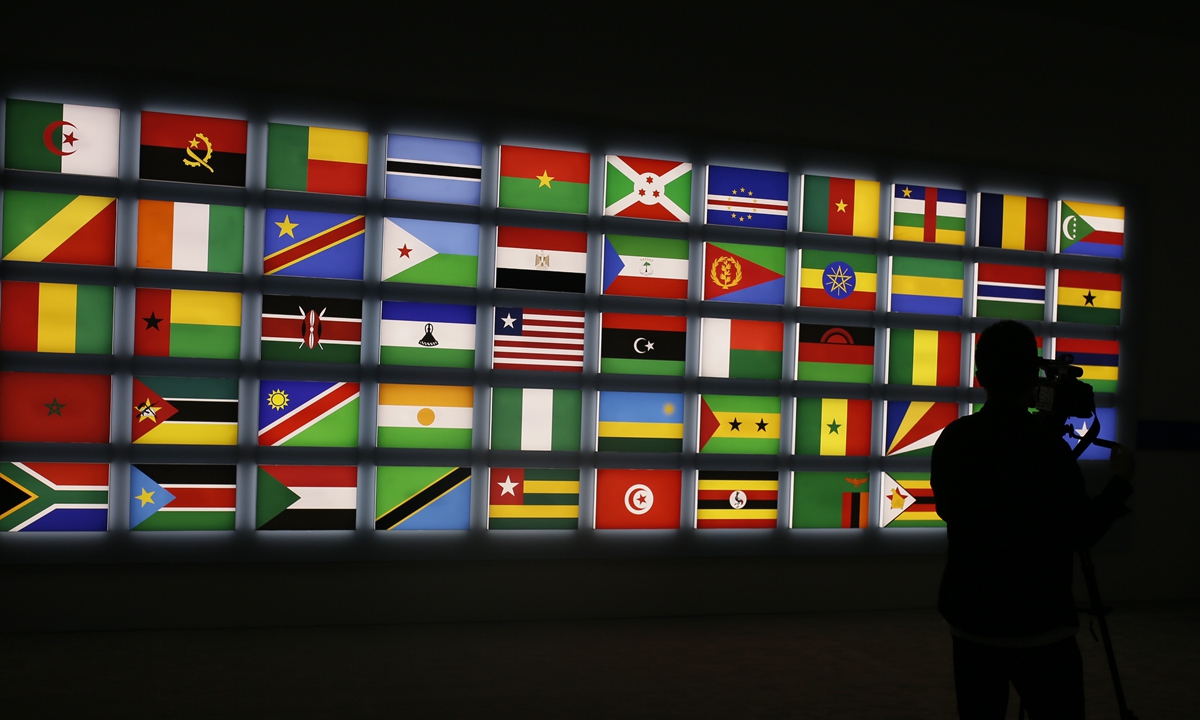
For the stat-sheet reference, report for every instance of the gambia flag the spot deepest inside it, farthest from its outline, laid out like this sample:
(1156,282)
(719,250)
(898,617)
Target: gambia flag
(737,499)
(192,149)
(741,349)
(642,344)
(1099,360)
(1091,229)
(645,267)
(1088,297)
(428,334)
(833,426)
(304,243)
(55,407)
(53,497)
(536,419)
(182,497)
(929,214)
(190,236)
(836,353)
(69,139)
(924,357)
(830,499)
(430,252)
(914,426)
(925,286)
(312,497)
(906,500)
(1013,222)
(298,413)
(640,422)
(638,499)
(311,329)
(187,323)
(840,206)
(184,411)
(739,424)
(743,273)
(1010,292)
(423,498)
(48,227)
(537,179)
(426,416)
(316,159)
(650,189)
(533,499)
(56,317)
(835,279)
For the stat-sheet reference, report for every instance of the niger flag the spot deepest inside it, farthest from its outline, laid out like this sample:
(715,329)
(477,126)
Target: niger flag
(187,148)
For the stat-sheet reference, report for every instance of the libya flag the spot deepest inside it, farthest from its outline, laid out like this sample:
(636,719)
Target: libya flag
(56,317)
(642,344)
(831,499)
(536,419)
(69,139)
(187,323)
(49,227)
(537,179)
(740,424)
(833,426)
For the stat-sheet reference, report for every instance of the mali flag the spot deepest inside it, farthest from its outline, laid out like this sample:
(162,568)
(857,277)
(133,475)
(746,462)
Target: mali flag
(836,353)
(840,206)
(533,499)
(906,500)
(914,426)
(830,499)
(187,323)
(833,426)
(1088,297)
(841,280)
(743,273)
(741,349)
(929,287)
(739,424)
(56,317)
(54,407)
(312,497)
(300,413)
(737,499)
(1013,222)
(315,159)
(423,498)
(69,139)
(184,411)
(47,227)
(190,236)
(536,179)
(924,357)
(53,497)
(426,416)
(182,497)
(187,148)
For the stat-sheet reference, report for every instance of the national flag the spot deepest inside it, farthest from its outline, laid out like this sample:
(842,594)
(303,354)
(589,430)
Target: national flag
(835,353)
(430,252)
(423,498)
(49,227)
(645,267)
(533,499)
(741,349)
(638,499)
(53,497)
(1010,292)
(833,426)
(747,198)
(906,500)
(426,416)
(182,497)
(536,419)
(924,357)
(929,214)
(433,170)
(313,497)
(533,339)
(640,422)
(69,139)
(1013,222)
(54,407)
(929,287)
(1098,359)
(830,499)
(1088,297)
(528,259)
(840,206)
(739,424)
(428,334)
(184,411)
(298,413)
(650,189)
(186,148)
(743,273)
(1107,416)
(190,236)
(316,159)
(303,243)
(642,344)
(187,323)
(311,329)
(1091,229)
(56,317)
(737,499)
(835,279)
(914,426)
(537,179)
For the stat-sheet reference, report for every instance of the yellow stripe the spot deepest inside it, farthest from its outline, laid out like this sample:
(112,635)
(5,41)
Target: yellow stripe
(58,229)
(191,434)
(609,428)
(288,249)
(348,146)
(552,486)
(866,208)
(747,421)
(1099,372)
(1012,227)
(57,306)
(1102,298)
(533,511)
(916,411)
(918,515)
(833,410)
(1115,212)
(950,237)
(934,287)
(811,278)
(904,232)
(204,307)
(925,357)
(427,395)
(772,485)
(914,484)
(732,514)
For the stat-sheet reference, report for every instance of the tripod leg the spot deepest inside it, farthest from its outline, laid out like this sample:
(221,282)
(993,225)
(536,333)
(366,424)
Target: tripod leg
(1100,612)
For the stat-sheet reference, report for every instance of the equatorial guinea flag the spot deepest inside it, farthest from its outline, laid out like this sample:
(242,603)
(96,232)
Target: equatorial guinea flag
(48,227)
(645,267)
(840,206)
(650,189)
(190,236)
(833,426)
(55,407)
(69,139)
(56,317)
(187,148)
(638,499)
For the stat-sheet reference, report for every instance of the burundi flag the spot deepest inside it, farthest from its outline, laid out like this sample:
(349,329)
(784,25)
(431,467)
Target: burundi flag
(316,159)
(650,189)
(645,267)
(423,498)
(840,206)
(1010,292)
(924,357)
(747,198)
(186,148)
(750,349)
(739,424)
(187,323)
(190,236)
(835,353)
(743,273)
(929,287)
(313,497)
(914,426)
(69,139)
(640,422)
(906,500)
(536,419)
(299,413)
(737,499)
(311,329)
(536,179)
(528,259)
(929,214)
(182,497)
(426,416)
(184,411)
(430,252)
(303,243)
(54,407)
(427,334)
(833,426)
(432,170)
(642,344)
(1107,417)
(534,339)
(1099,360)
(638,499)
(835,279)
(1091,229)
(533,499)
(56,317)
(48,227)
(53,497)
(1013,222)
(1088,297)
(831,499)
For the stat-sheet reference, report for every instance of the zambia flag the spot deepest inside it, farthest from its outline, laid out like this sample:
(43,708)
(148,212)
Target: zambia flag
(645,267)
(430,252)
(423,498)
(300,413)
(840,280)
(182,497)
(914,426)
(741,349)
(311,329)
(833,426)
(536,419)
(187,323)
(642,344)
(929,287)
(53,497)
(56,317)
(303,243)
(924,357)
(187,148)
(737,499)
(840,206)
(906,500)
(54,407)
(739,424)
(836,353)
(190,236)
(533,499)
(743,273)
(314,497)
(640,422)
(1088,297)
(69,139)
(830,499)
(184,411)
(48,227)
(316,159)
(650,189)
(536,179)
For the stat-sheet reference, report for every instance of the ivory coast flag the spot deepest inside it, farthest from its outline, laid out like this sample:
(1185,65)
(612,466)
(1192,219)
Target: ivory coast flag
(69,139)
(48,227)
(840,206)
(56,317)
(190,236)
(426,416)
(316,159)
(187,323)
(537,179)
(739,424)
(833,426)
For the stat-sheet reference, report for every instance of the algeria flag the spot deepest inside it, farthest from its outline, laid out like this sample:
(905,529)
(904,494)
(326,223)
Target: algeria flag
(71,139)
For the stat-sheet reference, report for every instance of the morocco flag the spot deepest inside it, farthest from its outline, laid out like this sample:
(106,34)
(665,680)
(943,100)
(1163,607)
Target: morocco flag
(637,499)
(187,148)
(54,407)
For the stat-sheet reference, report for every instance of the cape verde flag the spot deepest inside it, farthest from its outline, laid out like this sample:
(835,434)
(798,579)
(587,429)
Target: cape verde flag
(747,198)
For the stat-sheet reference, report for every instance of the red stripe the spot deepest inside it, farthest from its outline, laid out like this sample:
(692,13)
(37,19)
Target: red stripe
(1103,237)
(748,204)
(510,355)
(930,215)
(624,321)
(331,329)
(735,523)
(537,368)
(1084,280)
(841,223)
(949,358)
(297,419)
(339,178)
(537,239)
(19,316)
(314,476)
(817,297)
(1074,345)
(843,354)
(313,245)
(93,244)
(511,350)
(72,474)
(648,287)
(755,335)
(572,314)
(147,340)
(858,427)
(202,497)
(176,131)
(750,494)
(934,419)
(1012,274)
(562,165)
(1037,211)
(550,327)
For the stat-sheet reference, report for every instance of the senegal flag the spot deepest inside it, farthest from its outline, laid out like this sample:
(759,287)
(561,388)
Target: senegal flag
(537,179)
(69,139)
(48,227)
(56,317)
(833,426)
(840,206)
(739,424)
(187,323)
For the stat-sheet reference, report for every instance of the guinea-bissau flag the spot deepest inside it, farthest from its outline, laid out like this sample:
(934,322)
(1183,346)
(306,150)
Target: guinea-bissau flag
(57,138)
(835,279)
(741,349)
(53,497)
(55,407)
(1091,229)
(642,344)
(831,499)
(184,411)
(533,499)
(536,419)
(49,227)
(840,206)
(1088,297)
(833,426)
(650,189)
(56,317)
(182,497)
(537,179)
(835,353)
(739,424)
(1098,358)
(645,267)
(187,323)
(914,426)
(190,236)
(638,499)
(924,357)
(926,286)
(737,499)
(306,497)
(311,329)
(1013,222)
(316,159)
(193,149)
(1010,292)
(906,500)
(423,498)
(304,413)
(743,273)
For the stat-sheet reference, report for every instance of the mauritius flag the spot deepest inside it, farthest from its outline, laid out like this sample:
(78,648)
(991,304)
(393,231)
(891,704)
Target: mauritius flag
(52,496)
(914,426)
(645,267)
(313,497)
(924,357)
(833,426)
(187,148)
(835,279)
(743,273)
(741,349)
(304,243)
(56,317)
(836,353)
(430,252)
(48,227)
(739,424)
(650,189)
(69,139)
(316,159)
(423,498)
(182,497)
(187,323)
(537,179)
(308,413)
(840,206)
(830,499)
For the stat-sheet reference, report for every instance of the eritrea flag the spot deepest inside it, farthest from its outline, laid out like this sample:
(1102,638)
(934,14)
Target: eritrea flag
(54,407)
(743,273)
(537,179)
(192,149)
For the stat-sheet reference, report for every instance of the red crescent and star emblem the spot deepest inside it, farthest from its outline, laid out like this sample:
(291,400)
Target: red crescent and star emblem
(56,147)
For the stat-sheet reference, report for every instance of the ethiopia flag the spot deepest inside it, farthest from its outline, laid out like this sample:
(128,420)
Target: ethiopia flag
(835,279)
(187,323)
(1013,222)
(187,148)
(836,353)
(316,159)
(300,413)
(914,426)
(53,497)
(743,273)
(190,236)
(54,407)
(638,499)
(1088,297)
(741,349)
(536,179)
(906,500)
(830,499)
(426,416)
(924,357)
(47,227)
(1091,229)
(640,422)
(737,499)
(56,317)
(423,498)
(182,497)
(739,424)
(536,419)
(840,206)
(184,411)
(650,189)
(833,426)
(645,267)
(68,139)
(430,252)
(533,499)
(312,497)
(303,243)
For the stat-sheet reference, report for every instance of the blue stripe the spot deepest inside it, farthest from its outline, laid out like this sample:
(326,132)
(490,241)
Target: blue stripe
(459,192)
(428,312)
(768,293)
(1084,247)
(917,191)
(409,147)
(952,196)
(298,393)
(1104,359)
(444,237)
(766,222)
(991,220)
(613,265)
(767,184)
(1004,292)
(70,519)
(640,407)
(926,305)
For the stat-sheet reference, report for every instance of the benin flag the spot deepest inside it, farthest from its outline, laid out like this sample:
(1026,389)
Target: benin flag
(182,497)
(924,357)
(53,497)
(835,279)
(313,497)
(737,499)
(830,499)
(54,407)
(741,349)
(187,148)
(840,206)
(55,317)
(836,353)
(184,411)
(1091,229)
(299,413)
(536,419)
(1013,222)
(315,159)
(1098,359)
(423,498)
(70,139)
(739,424)
(640,422)
(533,499)
(426,416)
(190,236)
(906,500)
(651,189)
(536,179)
(833,426)
(47,227)
(1088,297)
(187,323)
(743,273)
(914,426)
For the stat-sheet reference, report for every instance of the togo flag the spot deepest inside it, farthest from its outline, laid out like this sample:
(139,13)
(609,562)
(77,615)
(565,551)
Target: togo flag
(536,419)
(429,252)
(533,499)
(56,317)
(423,498)
(53,497)
(190,236)
(70,139)
(651,189)
(739,424)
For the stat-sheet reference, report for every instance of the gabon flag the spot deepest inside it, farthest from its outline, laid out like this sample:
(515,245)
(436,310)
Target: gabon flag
(833,426)
(55,407)
(56,317)
(54,228)
(537,179)
(188,148)
(316,159)
(840,206)
(187,323)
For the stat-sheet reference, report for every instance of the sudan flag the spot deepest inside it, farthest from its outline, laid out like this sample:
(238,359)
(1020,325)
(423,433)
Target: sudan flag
(187,148)
(54,407)
(48,227)
(743,273)
(306,497)
(536,179)
(642,344)
(187,323)
(833,426)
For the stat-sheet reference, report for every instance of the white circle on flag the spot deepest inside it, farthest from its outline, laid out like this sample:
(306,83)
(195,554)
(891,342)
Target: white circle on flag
(651,189)
(737,500)
(639,499)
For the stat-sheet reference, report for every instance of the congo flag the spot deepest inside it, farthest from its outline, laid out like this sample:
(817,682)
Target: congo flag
(53,497)
(302,243)
(48,227)
(186,148)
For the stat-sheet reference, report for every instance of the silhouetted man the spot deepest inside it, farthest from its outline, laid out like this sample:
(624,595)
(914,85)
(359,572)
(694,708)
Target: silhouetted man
(1016,510)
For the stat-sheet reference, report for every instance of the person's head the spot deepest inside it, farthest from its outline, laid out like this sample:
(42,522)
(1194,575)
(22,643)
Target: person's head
(1006,361)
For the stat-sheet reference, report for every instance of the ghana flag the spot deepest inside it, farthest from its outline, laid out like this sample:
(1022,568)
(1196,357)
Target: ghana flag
(835,353)
(835,279)
(645,267)
(1013,222)
(640,422)
(929,214)
(536,419)
(650,189)
(57,138)
(739,424)
(300,413)
(1091,229)
(426,416)
(914,426)
(741,349)
(53,497)
(430,252)
(537,179)
(533,499)
(190,236)
(1098,359)
(906,500)
(187,148)
(830,499)
(840,206)
(55,407)
(316,159)
(833,426)
(184,411)
(929,287)
(182,497)
(1088,297)
(312,497)
(187,323)
(56,317)
(642,344)
(311,329)
(48,227)
(737,499)
(743,273)
(304,243)
(423,498)
(924,357)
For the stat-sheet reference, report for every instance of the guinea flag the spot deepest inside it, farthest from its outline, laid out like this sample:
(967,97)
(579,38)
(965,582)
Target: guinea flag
(69,139)
(833,426)
(741,349)
(54,407)
(537,179)
(739,424)
(187,323)
(48,227)
(190,236)
(188,148)
(743,273)
(315,159)
(56,317)
(924,357)
(840,206)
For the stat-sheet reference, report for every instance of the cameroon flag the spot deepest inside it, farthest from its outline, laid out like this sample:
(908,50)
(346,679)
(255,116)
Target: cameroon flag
(536,179)
(739,424)
(840,206)
(47,227)
(315,159)
(833,426)
(56,317)
(187,323)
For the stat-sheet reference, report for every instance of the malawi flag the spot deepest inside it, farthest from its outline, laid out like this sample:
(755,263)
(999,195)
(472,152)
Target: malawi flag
(840,206)
(303,243)
(47,227)
(536,419)
(187,323)
(906,500)
(924,357)
(836,353)
(53,497)
(650,189)
(914,426)
(427,334)
(929,287)
(1010,292)
(536,179)
(423,498)
(929,214)
(1013,222)
(315,159)
(533,499)
(833,426)
(184,411)
(56,317)
(187,148)
(741,349)
(69,139)
(743,273)
(642,344)
(640,422)
(426,416)
(1088,297)
(311,329)
(739,424)
(830,499)
(298,413)
(430,252)
(182,497)
(638,499)
(528,259)
(312,497)
(54,407)
(834,279)
(1098,358)
(645,267)
(1091,229)
(737,499)
(190,236)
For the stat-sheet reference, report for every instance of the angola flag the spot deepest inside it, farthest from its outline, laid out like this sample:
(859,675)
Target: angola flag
(426,416)
(929,287)
(645,267)
(533,499)
(537,179)
(741,349)
(640,422)
(833,426)
(1088,297)
(650,189)
(840,206)
(53,497)
(906,500)
(835,279)
(311,329)
(830,499)
(1091,229)
(55,407)
(182,497)
(69,139)
(737,499)
(924,357)
(48,227)
(430,252)
(914,426)
(739,424)
(56,317)
(303,243)
(836,353)
(536,419)
(187,148)
(744,273)
(638,499)
(316,159)
(1013,222)
(187,323)
(929,214)
(312,497)
(1099,360)
(642,344)
(300,413)
(423,498)
(184,411)
(190,236)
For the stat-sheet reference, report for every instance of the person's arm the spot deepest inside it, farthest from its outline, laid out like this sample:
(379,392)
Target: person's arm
(1098,513)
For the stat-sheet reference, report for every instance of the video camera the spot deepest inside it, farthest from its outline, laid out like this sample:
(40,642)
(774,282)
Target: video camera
(1060,394)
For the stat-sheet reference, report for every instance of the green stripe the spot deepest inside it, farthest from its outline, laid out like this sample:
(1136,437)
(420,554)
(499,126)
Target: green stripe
(551,498)
(567,420)
(525,193)
(619,444)
(426,357)
(900,357)
(394,485)
(742,446)
(679,191)
(506,418)
(198,388)
(924,267)
(339,429)
(650,247)
(1102,385)
(834,372)
(1010,310)
(756,364)
(817,498)
(94,320)
(626,366)
(1092,315)
(772,258)
(26,121)
(226,230)
(951,223)
(816,204)
(917,523)
(904,219)
(441,269)
(552,474)
(821,259)
(222,520)
(742,403)
(533,523)
(205,341)
(445,438)
(287,157)
(25,212)
(808,426)
(616,185)
(295,351)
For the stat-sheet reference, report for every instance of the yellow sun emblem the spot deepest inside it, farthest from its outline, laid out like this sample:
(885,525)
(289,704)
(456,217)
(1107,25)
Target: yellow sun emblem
(277,400)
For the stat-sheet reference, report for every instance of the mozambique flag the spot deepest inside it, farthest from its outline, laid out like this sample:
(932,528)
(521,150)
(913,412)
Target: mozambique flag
(430,252)
(54,407)
(840,206)
(423,498)
(311,329)
(914,426)
(56,317)
(741,349)
(640,422)
(1088,297)
(1010,292)
(929,214)
(1013,222)
(929,287)
(302,243)
(430,334)
(53,497)
(830,499)
(312,497)
(924,357)
(184,411)
(835,279)
(737,499)
(533,499)
(833,426)
(1091,229)
(650,189)
(187,148)
(638,499)
(836,353)
(536,419)
(426,416)
(906,500)
(739,424)
(48,227)
(316,159)
(182,497)
(536,179)
(69,139)
(299,413)
(190,236)
(743,273)
(645,267)
(434,170)
(187,323)
(1098,359)
(642,344)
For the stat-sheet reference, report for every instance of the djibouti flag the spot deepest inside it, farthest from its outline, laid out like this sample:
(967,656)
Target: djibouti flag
(428,252)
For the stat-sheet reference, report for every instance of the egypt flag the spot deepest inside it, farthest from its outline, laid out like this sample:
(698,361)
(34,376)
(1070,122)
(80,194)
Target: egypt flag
(1088,297)
(840,206)
(537,179)
(529,259)
(747,198)
(929,287)
(640,422)
(297,413)
(1099,360)
(642,344)
(741,349)
(190,236)
(316,159)
(833,426)
(1010,292)
(182,497)
(187,323)
(55,407)
(187,148)
(840,280)
(1091,229)
(929,214)
(830,499)
(924,357)
(1013,222)
(303,243)
(645,267)
(536,419)
(914,426)
(426,416)
(430,252)
(184,411)
(650,189)
(311,329)
(835,353)
(428,334)
(53,497)
(434,170)
(533,499)
(739,424)
(48,227)
(743,273)
(638,499)
(737,499)
(906,500)
(314,497)
(69,139)
(423,498)
(56,317)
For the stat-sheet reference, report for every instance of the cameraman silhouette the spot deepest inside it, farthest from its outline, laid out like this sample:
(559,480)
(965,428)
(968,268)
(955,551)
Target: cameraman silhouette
(1016,510)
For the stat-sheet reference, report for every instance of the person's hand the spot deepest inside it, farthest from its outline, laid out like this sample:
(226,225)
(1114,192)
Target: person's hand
(1120,462)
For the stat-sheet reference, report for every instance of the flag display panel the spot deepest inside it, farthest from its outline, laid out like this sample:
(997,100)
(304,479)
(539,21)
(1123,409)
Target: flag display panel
(533,499)
(830,499)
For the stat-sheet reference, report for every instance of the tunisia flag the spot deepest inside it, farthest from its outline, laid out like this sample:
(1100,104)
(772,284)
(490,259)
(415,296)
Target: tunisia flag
(638,499)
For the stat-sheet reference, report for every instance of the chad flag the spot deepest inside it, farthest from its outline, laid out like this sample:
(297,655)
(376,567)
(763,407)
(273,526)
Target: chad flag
(56,317)
(187,323)
(188,148)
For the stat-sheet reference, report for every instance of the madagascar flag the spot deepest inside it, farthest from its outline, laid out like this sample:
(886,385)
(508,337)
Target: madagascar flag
(833,426)
(536,179)
(315,159)
(187,323)
(54,407)
(187,148)
(56,317)
(840,206)
(924,357)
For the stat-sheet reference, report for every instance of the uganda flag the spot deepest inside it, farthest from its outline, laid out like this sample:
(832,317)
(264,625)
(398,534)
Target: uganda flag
(1091,229)
(830,499)
(925,286)
(1099,360)
(430,252)
(642,344)
(840,280)
(426,416)
(423,498)
(187,323)
(536,419)
(929,214)
(739,424)
(191,149)
(533,499)
(69,139)
(650,189)
(190,236)
(640,422)
(56,317)
(833,426)
(1088,297)
(311,497)
(750,349)
(1010,292)
(182,497)
(536,179)
(906,500)
(914,426)
(53,497)
(304,243)
(645,267)
(316,159)
(840,206)
(48,227)
(1013,222)
(836,353)
(311,329)
(299,413)
(184,411)
(638,499)
(737,499)
(55,407)
(924,357)
(743,273)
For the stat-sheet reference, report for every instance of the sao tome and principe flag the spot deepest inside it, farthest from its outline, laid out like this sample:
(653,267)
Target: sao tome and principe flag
(1088,297)
(536,419)
(914,426)
(53,497)
(187,323)
(906,500)
(49,227)
(311,329)
(747,198)
(737,499)
(533,499)
(638,499)
(1091,229)
(434,170)
(537,179)
(56,317)
(184,411)
(739,424)
(835,353)
(529,259)
(650,189)
(924,357)
(640,422)
(55,407)
(645,267)
(299,413)
(313,497)
(423,498)
(426,416)
(182,497)
(741,349)
(303,243)
(835,279)
(833,426)
(743,273)
(316,159)
(831,499)
(840,206)
(190,236)
(428,334)
(642,344)
(536,339)
(1013,222)
(929,287)
(1010,292)
(1099,360)
(69,139)
(187,148)
(430,252)
(929,214)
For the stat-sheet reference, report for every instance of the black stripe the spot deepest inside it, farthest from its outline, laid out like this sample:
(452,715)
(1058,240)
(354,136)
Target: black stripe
(164,163)
(855,508)
(739,475)
(618,343)
(291,304)
(540,280)
(204,411)
(446,171)
(191,474)
(724,504)
(440,487)
(924,500)
(860,335)
(312,519)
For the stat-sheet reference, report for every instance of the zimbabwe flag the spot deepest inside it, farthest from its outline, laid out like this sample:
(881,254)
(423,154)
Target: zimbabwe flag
(537,179)
(192,149)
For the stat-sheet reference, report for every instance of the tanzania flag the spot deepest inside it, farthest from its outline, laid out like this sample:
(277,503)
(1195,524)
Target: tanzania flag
(536,179)
(739,424)
(186,148)
(841,280)
(423,498)
(924,357)
(640,422)
(431,170)
(1088,297)
(55,317)
(737,499)
(638,499)
(830,499)
(184,411)
(426,416)
(642,344)
(182,497)
(533,499)
(47,227)
(833,426)
(929,287)
(429,252)
(906,500)
(313,497)
(311,329)
(315,159)
(1091,229)
(929,214)
(54,407)
(840,206)
(429,334)
(645,267)
(69,139)
(743,273)
(741,349)
(1013,222)
(187,323)
(53,497)
(747,198)
(528,259)
(299,413)
(651,189)
(1098,358)
(914,426)
(190,236)
(836,353)
(302,243)
(536,419)
(1010,292)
